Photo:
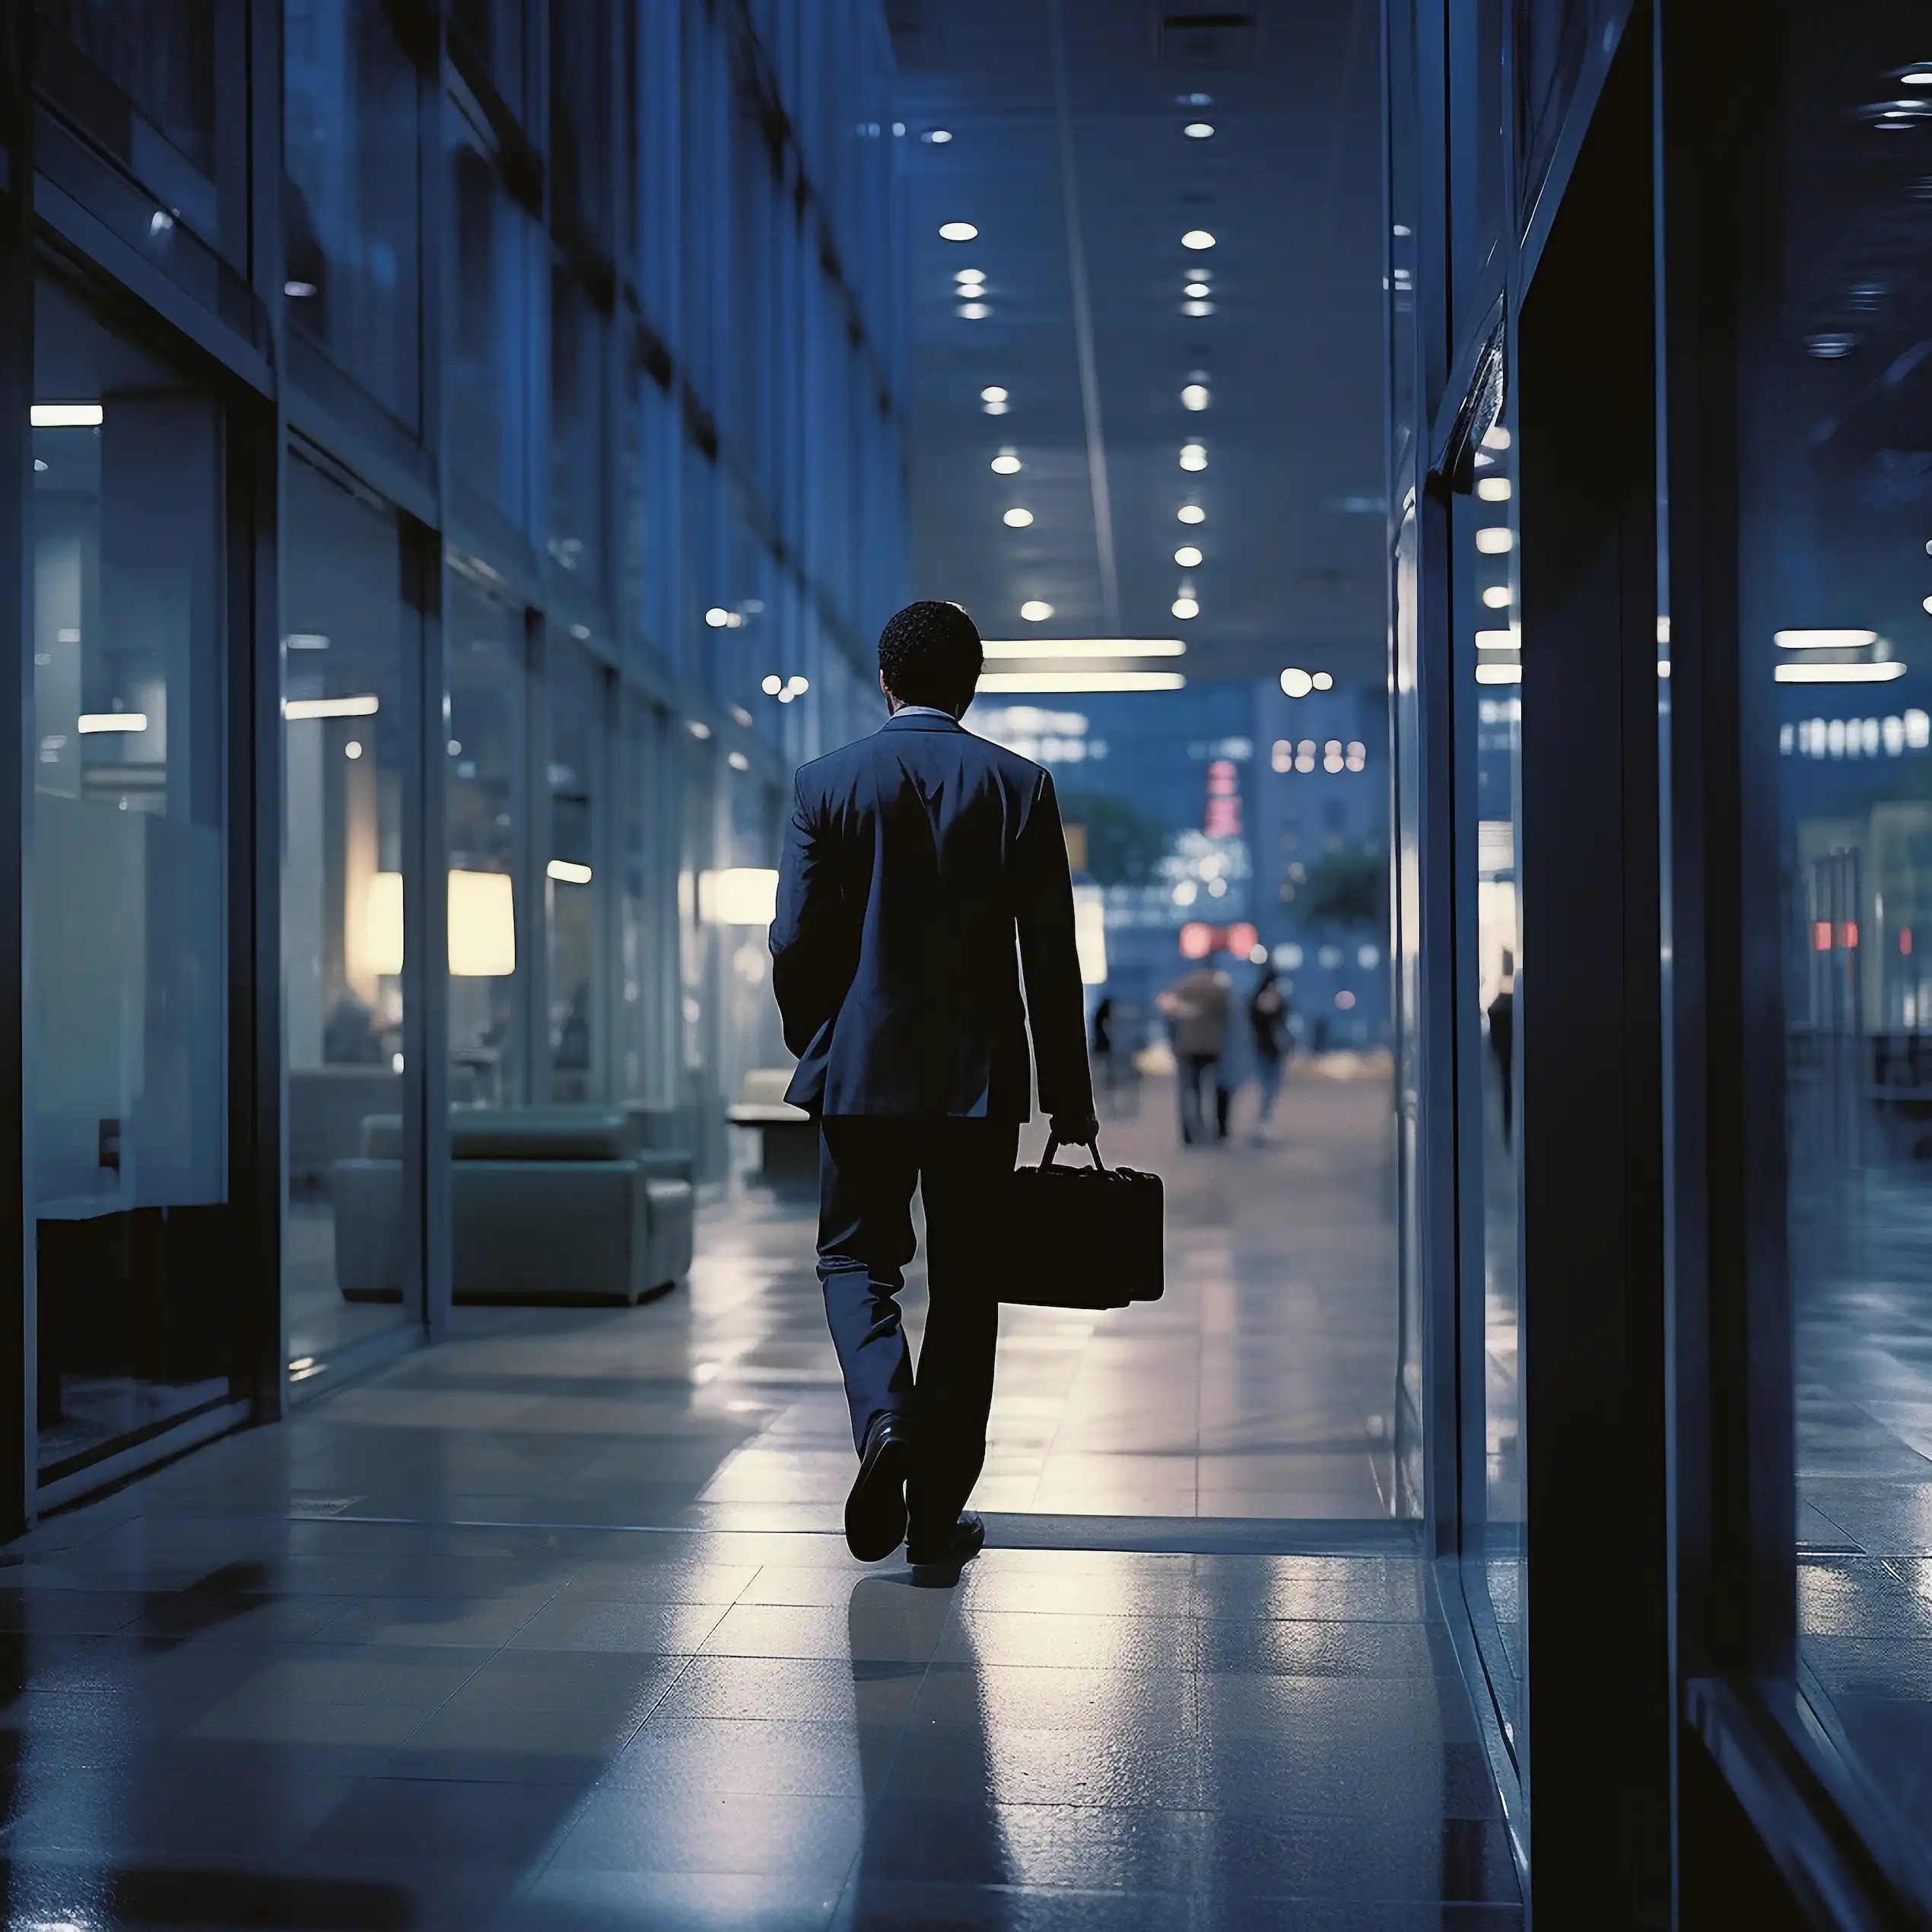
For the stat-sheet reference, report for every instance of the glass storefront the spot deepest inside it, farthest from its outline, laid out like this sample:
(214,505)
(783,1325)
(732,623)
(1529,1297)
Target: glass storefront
(127,1012)
(349,670)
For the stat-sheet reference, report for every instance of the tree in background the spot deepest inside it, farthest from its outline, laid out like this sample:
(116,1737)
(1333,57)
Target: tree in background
(1124,846)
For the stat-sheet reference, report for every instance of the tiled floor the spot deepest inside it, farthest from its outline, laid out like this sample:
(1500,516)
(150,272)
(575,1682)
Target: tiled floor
(510,1637)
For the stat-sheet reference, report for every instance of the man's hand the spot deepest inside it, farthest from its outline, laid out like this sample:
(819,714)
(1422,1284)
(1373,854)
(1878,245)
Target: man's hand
(1074,1129)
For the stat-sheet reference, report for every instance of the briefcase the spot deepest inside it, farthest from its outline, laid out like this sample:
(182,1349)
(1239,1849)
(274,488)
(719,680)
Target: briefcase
(1081,1237)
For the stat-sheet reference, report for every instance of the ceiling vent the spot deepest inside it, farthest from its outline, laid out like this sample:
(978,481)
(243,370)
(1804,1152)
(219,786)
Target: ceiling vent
(1208,40)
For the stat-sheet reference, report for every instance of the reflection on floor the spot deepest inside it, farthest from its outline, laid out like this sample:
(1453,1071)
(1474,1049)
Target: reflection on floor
(542,1629)
(1261,1386)
(1864,1449)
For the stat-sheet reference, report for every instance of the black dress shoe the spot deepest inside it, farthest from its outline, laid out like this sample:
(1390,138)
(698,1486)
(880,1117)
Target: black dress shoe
(875,1511)
(953,1550)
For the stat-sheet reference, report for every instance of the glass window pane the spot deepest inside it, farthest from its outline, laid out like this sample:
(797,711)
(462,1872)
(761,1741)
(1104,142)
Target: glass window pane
(351,644)
(576,884)
(489,701)
(1835,407)
(128,980)
(160,53)
(579,411)
(351,199)
(490,330)
(1489,704)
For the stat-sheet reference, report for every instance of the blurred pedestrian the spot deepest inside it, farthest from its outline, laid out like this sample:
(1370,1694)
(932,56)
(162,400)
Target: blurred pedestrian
(1267,1024)
(1197,1007)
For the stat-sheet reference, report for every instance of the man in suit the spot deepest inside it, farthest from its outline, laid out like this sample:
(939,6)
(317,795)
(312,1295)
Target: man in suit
(914,859)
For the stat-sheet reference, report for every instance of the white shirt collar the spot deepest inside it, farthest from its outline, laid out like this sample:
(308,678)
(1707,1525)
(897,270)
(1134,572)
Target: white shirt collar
(924,711)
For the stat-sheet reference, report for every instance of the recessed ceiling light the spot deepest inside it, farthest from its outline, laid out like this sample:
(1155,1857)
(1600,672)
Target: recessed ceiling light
(938,136)
(1193,455)
(959,231)
(1495,438)
(996,409)
(1823,640)
(1916,77)
(772,685)
(1194,396)
(1190,513)
(1495,541)
(974,311)
(1016,519)
(994,393)
(1323,681)
(1006,464)
(717,617)
(1036,611)
(1198,130)
(1493,489)
(1195,238)
(973,276)
(1187,556)
(1297,683)
(1199,291)
(1197,308)
(1496,595)
(1185,607)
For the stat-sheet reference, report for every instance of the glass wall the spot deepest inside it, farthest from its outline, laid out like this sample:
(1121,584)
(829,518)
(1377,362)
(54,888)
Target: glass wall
(128,986)
(487,763)
(451,638)
(1836,581)
(349,671)
(576,877)
(351,204)
(1487,670)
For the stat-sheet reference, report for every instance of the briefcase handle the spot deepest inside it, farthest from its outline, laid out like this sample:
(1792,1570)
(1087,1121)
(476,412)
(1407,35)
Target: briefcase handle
(1053,1145)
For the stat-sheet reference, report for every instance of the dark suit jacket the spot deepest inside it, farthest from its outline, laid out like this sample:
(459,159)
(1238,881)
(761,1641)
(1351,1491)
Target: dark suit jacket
(913,858)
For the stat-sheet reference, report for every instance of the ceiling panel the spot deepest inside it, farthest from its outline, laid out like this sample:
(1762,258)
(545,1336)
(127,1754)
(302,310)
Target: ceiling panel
(1289,186)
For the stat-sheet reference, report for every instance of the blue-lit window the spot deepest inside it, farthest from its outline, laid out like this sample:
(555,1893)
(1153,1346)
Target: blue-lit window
(579,411)
(352,212)
(490,338)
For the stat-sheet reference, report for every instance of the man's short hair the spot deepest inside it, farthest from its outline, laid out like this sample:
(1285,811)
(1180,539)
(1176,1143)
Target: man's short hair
(929,653)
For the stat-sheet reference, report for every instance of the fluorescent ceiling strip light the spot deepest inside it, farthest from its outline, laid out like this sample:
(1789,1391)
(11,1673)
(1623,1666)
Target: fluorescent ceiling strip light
(91,722)
(569,871)
(1499,674)
(1082,646)
(63,416)
(1823,640)
(1495,641)
(366,706)
(991,681)
(1812,672)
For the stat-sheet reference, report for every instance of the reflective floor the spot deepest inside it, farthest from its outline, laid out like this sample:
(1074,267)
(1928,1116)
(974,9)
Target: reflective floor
(546,1628)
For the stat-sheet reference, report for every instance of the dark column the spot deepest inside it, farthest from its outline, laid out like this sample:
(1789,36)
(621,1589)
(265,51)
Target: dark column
(1588,1015)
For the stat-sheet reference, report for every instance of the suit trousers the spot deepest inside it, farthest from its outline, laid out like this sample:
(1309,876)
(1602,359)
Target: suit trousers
(869,1165)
